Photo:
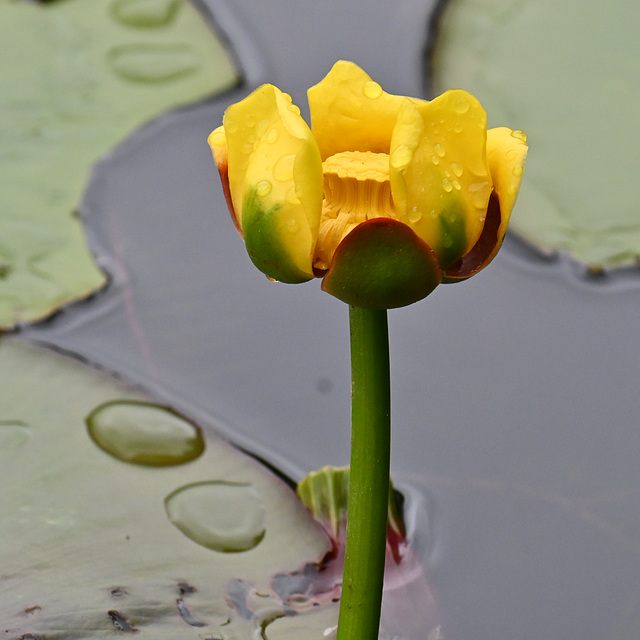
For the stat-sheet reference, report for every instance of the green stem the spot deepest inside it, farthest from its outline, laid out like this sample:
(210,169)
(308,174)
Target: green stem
(369,479)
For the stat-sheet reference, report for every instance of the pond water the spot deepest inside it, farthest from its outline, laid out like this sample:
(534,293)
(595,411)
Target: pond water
(514,403)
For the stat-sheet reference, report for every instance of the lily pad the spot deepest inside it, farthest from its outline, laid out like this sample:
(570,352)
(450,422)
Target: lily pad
(79,76)
(567,74)
(94,544)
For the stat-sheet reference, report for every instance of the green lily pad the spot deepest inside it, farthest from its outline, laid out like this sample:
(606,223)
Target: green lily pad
(78,76)
(567,74)
(94,543)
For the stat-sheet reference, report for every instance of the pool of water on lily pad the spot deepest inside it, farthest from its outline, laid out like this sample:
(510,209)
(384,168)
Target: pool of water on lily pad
(514,410)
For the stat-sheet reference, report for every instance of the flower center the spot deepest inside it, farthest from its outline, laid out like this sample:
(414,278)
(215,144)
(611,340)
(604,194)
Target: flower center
(356,188)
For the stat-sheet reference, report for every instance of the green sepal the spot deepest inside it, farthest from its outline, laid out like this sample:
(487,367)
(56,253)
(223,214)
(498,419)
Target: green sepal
(382,264)
(263,235)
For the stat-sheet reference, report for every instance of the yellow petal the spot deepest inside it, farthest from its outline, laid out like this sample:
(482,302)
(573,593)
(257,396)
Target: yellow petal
(440,179)
(218,142)
(506,153)
(351,112)
(275,179)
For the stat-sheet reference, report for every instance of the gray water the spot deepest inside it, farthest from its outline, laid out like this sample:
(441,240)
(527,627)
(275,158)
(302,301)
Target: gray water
(515,407)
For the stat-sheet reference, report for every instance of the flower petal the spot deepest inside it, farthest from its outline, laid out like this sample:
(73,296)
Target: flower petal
(218,142)
(351,112)
(382,264)
(506,153)
(275,182)
(439,174)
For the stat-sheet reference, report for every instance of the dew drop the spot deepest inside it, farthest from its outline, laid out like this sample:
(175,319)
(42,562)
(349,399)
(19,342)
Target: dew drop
(457,169)
(415,215)
(263,188)
(13,435)
(457,127)
(372,90)
(461,105)
(292,225)
(446,185)
(518,170)
(153,63)
(250,121)
(145,13)
(262,127)
(294,108)
(218,139)
(478,194)
(283,169)
(456,185)
(519,135)
(273,136)
(230,126)
(400,157)
(292,197)
(435,160)
(440,150)
(223,516)
(143,433)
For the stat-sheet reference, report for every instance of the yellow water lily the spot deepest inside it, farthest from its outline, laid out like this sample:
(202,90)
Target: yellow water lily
(384,197)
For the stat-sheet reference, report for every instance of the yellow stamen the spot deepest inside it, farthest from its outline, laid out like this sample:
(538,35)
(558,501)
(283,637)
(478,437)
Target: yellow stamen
(356,188)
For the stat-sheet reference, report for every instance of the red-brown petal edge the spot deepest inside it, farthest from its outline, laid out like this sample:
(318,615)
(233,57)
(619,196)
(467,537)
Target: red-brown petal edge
(484,250)
(382,264)
(223,170)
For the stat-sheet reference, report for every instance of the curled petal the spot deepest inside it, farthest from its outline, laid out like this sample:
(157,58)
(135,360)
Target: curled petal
(506,153)
(440,178)
(275,182)
(218,142)
(351,112)
(382,264)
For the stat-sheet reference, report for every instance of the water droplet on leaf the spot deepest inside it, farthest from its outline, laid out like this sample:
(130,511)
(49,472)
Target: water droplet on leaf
(144,433)
(13,435)
(153,63)
(223,516)
(145,13)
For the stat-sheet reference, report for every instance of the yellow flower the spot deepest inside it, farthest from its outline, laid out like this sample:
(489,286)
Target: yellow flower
(384,197)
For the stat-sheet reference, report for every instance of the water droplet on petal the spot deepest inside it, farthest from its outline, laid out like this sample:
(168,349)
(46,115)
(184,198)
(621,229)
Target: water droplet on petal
(372,90)
(143,433)
(479,194)
(446,185)
(457,127)
(153,63)
(401,157)
(292,225)
(518,170)
(230,126)
(519,135)
(292,197)
(440,150)
(263,188)
(294,109)
(415,215)
(457,169)
(262,127)
(456,185)
(223,516)
(283,169)
(273,136)
(461,105)
(435,160)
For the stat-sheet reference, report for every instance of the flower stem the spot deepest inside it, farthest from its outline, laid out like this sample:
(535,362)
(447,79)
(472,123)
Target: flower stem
(369,477)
